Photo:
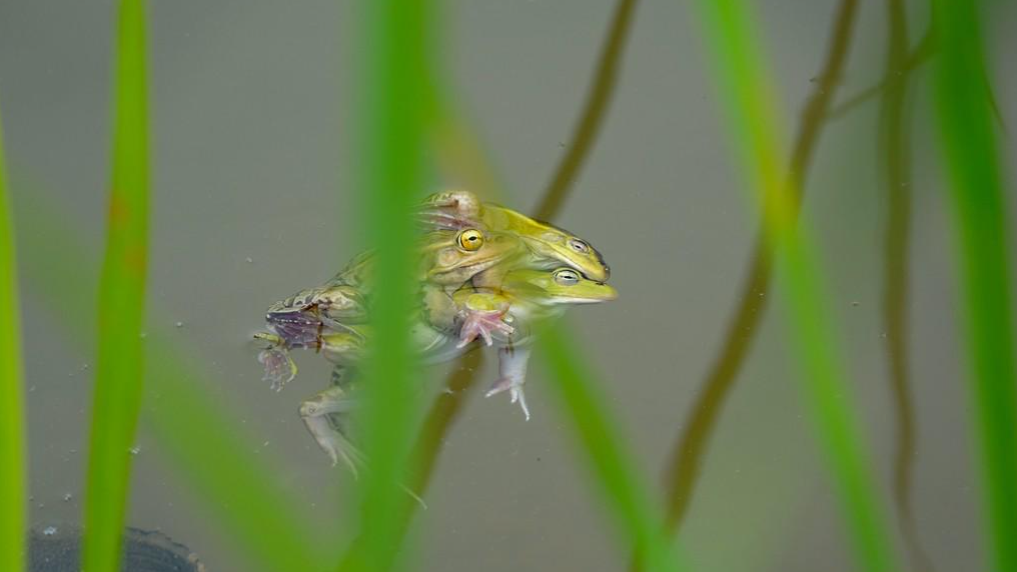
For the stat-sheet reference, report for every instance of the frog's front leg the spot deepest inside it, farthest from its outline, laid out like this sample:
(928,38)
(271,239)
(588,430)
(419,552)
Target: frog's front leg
(483,314)
(322,416)
(512,363)
(280,368)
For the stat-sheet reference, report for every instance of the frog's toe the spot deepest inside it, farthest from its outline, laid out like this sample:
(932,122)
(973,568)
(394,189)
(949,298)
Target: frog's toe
(280,368)
(483,323)
(519,397)
(515,389)
(327,432)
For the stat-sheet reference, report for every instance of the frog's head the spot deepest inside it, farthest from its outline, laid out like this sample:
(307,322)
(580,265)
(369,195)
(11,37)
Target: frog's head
(559,286)
(455,257)
(559,245)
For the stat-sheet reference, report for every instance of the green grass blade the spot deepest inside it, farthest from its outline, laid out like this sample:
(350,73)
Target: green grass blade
(13,489)
(690,449)
(205,446)
(461,155)
(749,101)
(612,465)
(391,135)
(982,238)
(119,369)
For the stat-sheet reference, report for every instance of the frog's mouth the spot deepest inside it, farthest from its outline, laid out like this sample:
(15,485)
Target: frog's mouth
(570,300)
(482,266)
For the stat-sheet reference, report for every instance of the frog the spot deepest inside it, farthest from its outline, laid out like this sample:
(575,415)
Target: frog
(548,245)
(447,260)
(532,295)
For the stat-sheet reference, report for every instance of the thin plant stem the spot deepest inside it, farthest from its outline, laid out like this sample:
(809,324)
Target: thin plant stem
(895,154)
(687,455)
(921,54)
(598,98)
(743,82)
(119,368)
(13,468)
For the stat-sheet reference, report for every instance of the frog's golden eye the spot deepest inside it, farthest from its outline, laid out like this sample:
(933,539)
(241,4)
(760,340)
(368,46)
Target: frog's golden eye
(470,239)
(578,245)
(566,277)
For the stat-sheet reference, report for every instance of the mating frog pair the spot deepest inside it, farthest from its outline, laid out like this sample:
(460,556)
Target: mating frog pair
(486,273)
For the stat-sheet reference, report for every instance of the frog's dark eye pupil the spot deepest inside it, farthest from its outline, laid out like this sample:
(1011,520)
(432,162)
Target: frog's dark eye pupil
(566,277)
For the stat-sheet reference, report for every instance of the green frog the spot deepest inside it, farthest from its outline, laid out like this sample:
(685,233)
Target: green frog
(548,245)
(531,296)
(447,260)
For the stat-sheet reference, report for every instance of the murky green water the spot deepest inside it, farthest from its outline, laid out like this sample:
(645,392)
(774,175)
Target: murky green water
(253,200)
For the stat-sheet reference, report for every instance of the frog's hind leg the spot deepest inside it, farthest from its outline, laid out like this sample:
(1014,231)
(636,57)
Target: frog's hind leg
(324,415)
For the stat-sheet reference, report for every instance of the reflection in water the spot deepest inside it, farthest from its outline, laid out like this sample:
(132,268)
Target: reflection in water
(687,455)
(895,150)
(597,99)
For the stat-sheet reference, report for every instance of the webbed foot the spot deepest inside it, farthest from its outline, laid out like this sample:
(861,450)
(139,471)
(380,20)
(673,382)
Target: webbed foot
(483,323)
(317,414)
(515,389)
(280,368)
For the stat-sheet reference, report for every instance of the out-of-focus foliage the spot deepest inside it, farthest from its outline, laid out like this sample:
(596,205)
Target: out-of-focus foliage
(393,112)
(119,368)
(13,490)
(748,94)
(397,106)
(206,447)
(639,522)
(982,236)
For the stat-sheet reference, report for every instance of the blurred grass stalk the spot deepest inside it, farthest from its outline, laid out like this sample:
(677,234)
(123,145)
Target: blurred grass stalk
(750,104)
(979,211)
(13,468)
(613,466)
(239,489)
(119,369)
(392,108)
(462,157)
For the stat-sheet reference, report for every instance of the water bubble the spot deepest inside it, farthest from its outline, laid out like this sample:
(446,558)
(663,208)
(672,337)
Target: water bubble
(179,324)
(49,530)
(134,451)
(249,260)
